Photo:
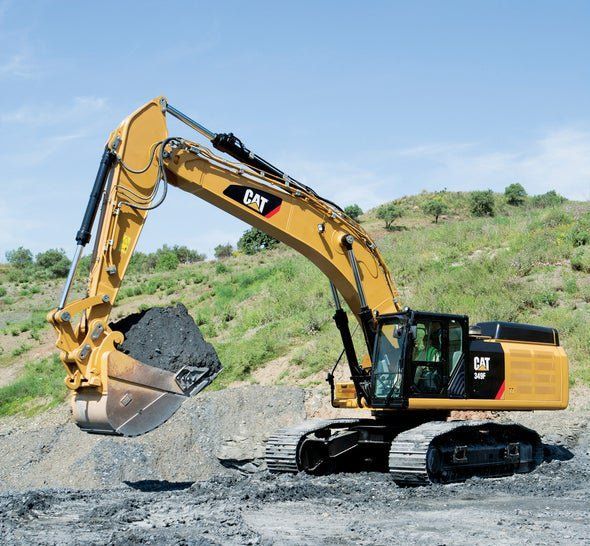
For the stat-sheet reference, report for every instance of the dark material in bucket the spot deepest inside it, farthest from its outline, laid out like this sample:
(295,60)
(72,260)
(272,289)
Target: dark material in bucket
(167,338)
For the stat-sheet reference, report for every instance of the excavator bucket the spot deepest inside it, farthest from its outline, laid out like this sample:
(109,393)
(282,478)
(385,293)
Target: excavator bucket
(162,361)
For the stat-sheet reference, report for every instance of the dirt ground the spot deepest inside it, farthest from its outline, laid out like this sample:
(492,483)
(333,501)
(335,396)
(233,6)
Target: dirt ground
(198,480)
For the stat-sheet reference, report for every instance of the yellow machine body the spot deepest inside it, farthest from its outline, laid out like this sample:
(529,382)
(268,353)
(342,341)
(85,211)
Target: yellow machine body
(114,393)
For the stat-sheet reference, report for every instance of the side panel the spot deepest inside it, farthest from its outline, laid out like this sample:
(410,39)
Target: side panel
(536,372)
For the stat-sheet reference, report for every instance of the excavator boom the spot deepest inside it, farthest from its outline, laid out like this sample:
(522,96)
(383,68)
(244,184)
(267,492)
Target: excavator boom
(115,394)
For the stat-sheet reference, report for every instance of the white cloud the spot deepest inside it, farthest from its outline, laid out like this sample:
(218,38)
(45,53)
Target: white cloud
(341,182)
(16,48)
(50,114)
(558,160)
(18,65)
(52,145)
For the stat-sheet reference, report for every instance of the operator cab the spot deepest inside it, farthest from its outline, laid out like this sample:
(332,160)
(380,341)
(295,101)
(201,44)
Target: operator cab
(418,355)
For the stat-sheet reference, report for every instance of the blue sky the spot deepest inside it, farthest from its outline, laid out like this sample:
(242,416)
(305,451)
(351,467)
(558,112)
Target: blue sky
(364,101)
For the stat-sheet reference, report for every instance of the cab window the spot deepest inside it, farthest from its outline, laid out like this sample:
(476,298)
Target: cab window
(455,344)
(428,358)
(428,342)
(387,369)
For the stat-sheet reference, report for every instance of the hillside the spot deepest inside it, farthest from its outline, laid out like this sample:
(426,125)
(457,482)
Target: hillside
(269,315)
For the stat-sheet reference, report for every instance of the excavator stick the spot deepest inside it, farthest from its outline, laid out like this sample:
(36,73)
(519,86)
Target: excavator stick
(113,392)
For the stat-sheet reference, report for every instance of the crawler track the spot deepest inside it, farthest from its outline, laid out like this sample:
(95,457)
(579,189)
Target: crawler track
(432,452)
(283,447)
(452,451)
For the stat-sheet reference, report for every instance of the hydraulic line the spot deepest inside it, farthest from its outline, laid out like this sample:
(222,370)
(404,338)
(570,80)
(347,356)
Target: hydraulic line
(161,177)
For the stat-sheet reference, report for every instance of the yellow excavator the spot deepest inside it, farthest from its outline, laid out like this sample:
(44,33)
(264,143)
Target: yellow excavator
(418,366)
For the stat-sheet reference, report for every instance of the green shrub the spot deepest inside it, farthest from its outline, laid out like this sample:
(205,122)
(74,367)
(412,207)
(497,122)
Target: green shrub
(142,263)
(36,323)
(2,291)
(17,275)
(167,261)
(20,258)
(29,291)
(197,277)
(547,297)
(254,240)
(21,349)
(84,265)
(549,199)
(161,259)
(389,213)
(555,217)
(223,251)
(482,203)
(579,234)
(54,262)
(581,259)
(570,285)
(515,194)
(354,211)
(435,207)
(221,268)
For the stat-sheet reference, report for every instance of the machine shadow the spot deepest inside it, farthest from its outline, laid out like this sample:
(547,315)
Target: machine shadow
(154,486)
(552,452)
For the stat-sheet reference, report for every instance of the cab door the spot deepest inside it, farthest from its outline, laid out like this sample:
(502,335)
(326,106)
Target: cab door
(436,356)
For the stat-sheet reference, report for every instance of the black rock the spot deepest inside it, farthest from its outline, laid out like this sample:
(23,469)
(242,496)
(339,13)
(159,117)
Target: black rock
(167,338)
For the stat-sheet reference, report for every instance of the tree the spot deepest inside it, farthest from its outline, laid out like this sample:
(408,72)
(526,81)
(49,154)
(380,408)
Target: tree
(482,203)
(187,256)
(54,262)
(549,199)
(167,260)
(20,258)
(253,241)
(389,213)
(223,251)
(515,194)
(354,211)
(435,207)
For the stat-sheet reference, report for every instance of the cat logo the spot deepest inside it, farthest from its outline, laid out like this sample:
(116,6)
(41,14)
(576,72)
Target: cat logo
(481,363)
(251,198)
(264,203)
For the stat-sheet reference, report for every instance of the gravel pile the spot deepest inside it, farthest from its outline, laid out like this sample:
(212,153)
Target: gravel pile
(210,434)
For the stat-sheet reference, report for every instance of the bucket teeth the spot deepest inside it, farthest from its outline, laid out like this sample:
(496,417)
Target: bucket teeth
(139,398)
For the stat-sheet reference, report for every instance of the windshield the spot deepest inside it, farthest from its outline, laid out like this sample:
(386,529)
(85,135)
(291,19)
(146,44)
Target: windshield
(387,368)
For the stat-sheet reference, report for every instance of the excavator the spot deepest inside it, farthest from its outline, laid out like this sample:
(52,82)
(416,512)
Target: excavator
(418,366)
